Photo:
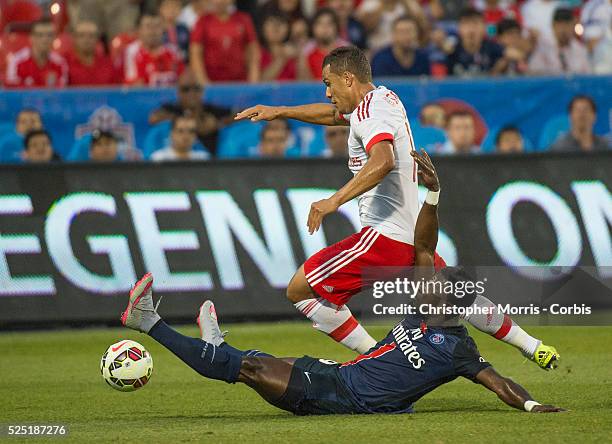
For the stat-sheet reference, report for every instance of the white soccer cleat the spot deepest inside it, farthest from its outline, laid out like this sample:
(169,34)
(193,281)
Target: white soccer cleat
(140,313)
(209,326)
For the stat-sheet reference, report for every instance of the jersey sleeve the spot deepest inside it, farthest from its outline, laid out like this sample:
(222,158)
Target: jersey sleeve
(345,117)
(250,34)
(467,360)
(130,64)
(373,122)
(199,30)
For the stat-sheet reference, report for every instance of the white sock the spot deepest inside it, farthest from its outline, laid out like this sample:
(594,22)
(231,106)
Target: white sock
(501,327)
(338,323)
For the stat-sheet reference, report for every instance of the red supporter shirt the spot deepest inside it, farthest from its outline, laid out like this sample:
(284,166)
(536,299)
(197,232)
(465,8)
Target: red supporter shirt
(153,68)
(315,56)
(289,71)
(494,16)
(225,43)
(100,72)
(23,72)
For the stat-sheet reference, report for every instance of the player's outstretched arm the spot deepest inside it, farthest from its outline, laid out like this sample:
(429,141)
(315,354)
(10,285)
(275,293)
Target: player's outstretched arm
(512,393)
(426,228)
(317,113)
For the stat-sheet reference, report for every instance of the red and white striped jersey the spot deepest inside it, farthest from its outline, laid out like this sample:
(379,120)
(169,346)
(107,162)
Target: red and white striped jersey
(23,72)
(160,67)
(392,206)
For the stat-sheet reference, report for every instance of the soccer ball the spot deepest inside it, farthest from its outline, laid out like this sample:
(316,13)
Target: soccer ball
(126,366)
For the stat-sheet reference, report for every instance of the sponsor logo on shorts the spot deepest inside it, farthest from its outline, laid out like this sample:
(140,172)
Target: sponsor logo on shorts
(328,288)
(436,339)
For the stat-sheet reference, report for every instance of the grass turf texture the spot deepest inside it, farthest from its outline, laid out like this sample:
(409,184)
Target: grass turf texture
(54,377)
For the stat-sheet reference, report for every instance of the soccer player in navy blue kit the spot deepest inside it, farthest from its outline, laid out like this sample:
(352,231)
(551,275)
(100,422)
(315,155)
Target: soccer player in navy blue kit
(417,356)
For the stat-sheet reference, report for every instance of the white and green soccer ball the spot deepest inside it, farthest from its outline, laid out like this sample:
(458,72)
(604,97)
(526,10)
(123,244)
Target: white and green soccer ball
(126,366)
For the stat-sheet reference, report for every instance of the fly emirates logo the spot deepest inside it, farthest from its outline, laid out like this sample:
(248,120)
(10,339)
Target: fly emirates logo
(405,342)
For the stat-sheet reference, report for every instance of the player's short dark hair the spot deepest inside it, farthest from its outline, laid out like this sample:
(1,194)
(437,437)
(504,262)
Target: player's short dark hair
(44,21)
(407,18)
(563,15)
(274,15)
(349,59)
(469,13)
(182,116)
(98,135)
(404,18)
(27,110)
(507,25)
(34,133)
(458,113)
(504,130)
(322,12)
(455,275)
(145,14)
(584,97)
(271,127)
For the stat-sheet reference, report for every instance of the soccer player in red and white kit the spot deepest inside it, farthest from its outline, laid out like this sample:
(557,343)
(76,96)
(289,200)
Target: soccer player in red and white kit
(385,181)
(386,185)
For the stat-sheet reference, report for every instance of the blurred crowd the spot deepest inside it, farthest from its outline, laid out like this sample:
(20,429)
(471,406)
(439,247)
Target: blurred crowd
(57,43)
(189,44)
(195,135)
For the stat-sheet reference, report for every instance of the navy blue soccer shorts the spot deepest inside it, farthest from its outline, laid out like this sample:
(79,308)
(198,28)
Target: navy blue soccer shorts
(316,388)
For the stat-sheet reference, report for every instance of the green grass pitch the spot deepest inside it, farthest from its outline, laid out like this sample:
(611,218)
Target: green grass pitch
(53,377)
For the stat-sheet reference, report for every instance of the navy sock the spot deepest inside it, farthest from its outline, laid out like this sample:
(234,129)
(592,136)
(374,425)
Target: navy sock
(206,359)
(228,348)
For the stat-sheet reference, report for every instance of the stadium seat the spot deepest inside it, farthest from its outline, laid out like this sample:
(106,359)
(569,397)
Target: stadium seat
(6,127)
(241,139)
(158,137)
(427,137)
(11,146)
(488,143)
(80,149)
(310,139)
(238,140)
(553,129)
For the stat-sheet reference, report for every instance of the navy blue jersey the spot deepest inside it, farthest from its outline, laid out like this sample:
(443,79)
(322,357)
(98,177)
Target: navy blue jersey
(409,363)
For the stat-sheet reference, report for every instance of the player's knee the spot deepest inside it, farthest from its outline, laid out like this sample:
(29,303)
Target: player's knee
(251,369)
(298,289)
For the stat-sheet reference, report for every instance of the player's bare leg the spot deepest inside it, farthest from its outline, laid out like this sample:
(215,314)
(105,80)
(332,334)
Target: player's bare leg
(337,322)
(269,377)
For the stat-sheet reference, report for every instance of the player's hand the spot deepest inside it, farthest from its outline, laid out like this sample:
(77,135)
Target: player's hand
(427,171)
(546,409)
(259,112)
(318,210)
